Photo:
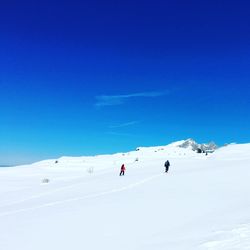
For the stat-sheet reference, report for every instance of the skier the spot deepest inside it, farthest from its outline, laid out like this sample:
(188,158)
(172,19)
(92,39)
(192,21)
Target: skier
(167,164)
(123,169)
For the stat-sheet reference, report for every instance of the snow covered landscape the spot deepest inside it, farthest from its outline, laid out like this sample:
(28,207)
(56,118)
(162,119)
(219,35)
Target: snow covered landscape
(82,202)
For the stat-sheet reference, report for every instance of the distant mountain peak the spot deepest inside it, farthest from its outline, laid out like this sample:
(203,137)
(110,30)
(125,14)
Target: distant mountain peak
(192,144)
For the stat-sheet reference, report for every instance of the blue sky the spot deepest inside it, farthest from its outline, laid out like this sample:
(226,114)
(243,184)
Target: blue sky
(92,77)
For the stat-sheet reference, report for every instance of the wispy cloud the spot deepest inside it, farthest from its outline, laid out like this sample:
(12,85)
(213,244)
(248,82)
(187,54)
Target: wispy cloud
(126,124)
(111,100)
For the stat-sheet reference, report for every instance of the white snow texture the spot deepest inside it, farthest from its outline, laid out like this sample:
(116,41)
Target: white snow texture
(79,203)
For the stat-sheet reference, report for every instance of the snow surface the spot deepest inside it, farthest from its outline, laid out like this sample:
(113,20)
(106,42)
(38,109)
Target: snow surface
(203,202)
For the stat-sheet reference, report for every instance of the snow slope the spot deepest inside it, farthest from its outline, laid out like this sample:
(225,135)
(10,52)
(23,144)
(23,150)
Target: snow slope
(202,203)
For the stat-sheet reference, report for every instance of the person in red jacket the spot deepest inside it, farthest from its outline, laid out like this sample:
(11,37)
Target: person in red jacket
(123,169)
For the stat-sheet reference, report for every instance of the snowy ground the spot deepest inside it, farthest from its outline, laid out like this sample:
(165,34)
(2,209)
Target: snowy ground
(203,203)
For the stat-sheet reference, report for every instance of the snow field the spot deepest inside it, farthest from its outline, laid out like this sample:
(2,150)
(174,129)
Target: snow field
(202,203)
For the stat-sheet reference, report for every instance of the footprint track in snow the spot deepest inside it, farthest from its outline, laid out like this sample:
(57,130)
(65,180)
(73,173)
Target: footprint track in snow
(60,202)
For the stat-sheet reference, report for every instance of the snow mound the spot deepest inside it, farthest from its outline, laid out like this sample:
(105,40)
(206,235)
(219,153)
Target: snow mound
(233,152)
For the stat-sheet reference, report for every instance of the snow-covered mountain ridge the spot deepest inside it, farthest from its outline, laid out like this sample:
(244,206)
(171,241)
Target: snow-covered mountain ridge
(180,149)
(204,147)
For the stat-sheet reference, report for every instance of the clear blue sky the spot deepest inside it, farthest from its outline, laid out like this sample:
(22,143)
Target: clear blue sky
(92,77)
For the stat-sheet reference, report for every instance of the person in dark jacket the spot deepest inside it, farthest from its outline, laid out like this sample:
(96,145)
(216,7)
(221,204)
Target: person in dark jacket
(123,169)
(167,165)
